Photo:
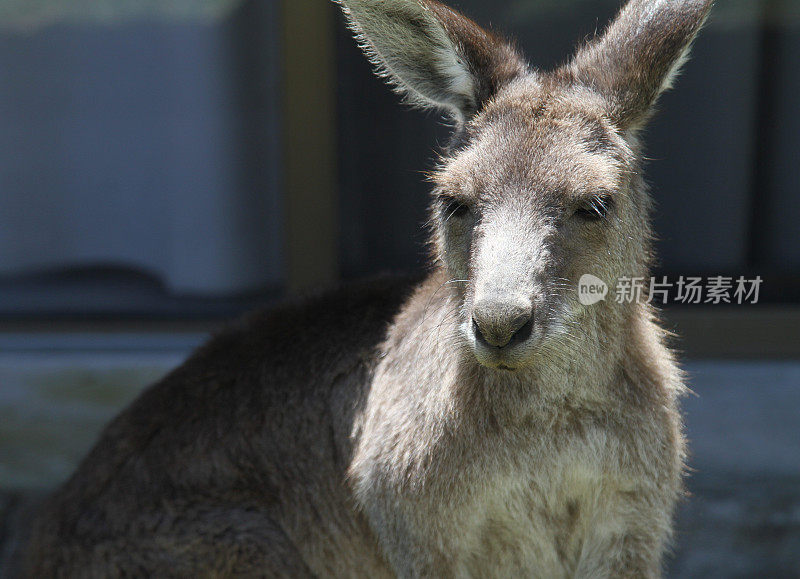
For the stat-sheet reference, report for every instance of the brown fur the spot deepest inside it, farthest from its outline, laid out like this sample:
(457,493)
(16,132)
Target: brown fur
(481,422)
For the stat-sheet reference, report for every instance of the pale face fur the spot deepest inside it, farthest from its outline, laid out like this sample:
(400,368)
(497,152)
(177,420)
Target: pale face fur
(542,189)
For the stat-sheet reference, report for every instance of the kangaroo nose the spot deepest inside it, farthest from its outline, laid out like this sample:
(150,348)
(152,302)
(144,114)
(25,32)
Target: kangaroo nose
(500,323)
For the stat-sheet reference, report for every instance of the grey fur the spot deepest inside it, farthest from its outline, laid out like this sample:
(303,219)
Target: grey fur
(481,422)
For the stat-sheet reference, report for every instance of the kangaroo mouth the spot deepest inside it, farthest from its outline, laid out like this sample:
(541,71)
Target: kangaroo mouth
(509,358)
(504,361)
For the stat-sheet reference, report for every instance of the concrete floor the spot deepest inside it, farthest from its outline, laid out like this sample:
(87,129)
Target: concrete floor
(742,520)
(743,516)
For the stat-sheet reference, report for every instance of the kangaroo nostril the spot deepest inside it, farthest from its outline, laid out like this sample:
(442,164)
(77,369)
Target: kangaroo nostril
(523,333)
(499,324)
(476,329)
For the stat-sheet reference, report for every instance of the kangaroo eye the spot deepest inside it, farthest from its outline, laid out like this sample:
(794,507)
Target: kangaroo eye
(596,208)
(452,207)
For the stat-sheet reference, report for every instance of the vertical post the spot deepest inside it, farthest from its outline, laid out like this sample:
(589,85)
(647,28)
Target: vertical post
(309,143)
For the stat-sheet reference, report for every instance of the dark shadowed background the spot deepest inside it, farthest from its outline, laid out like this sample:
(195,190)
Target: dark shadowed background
(165,166)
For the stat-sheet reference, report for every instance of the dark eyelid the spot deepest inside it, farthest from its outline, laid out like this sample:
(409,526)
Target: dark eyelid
(453,205)
(596,206)
(451,198)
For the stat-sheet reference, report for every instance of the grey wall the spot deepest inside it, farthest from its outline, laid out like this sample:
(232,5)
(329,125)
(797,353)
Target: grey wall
(147,144)
(155,145)
(778,193)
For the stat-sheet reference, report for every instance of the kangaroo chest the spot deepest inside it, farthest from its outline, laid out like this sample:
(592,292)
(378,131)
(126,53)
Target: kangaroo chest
(493,493)
(537,524)
(532,509)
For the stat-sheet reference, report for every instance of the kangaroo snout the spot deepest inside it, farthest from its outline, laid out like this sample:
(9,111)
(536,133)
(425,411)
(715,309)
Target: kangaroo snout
(499,322)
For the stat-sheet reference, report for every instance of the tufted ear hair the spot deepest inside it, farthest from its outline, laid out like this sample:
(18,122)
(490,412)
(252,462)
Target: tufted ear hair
(432,54)
(639,55)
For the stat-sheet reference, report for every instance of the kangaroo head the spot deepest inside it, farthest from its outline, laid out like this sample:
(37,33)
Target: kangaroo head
(541,183)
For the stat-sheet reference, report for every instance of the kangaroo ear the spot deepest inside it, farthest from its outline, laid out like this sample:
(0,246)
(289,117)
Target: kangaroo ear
(432,54)
(639,55)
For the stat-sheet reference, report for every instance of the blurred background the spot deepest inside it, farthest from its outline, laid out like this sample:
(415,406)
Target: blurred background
(166,165)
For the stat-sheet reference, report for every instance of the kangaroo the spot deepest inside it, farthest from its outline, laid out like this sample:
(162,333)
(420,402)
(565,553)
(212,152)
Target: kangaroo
(480,421)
